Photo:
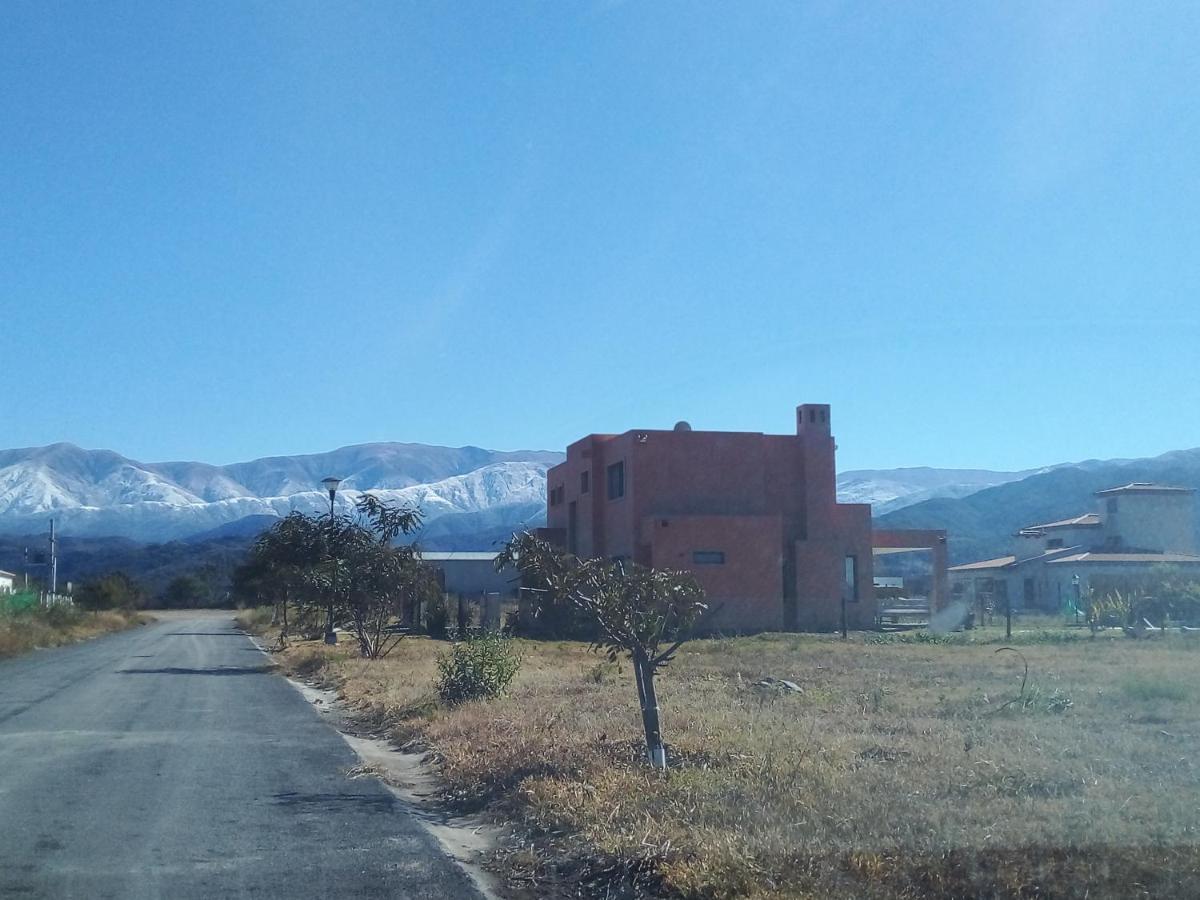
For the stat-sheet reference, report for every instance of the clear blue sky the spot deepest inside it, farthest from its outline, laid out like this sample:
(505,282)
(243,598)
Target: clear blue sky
(237,229)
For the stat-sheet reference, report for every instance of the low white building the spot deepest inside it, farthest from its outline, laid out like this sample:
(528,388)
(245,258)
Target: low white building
(8,582)
(1136,529)
(471,573)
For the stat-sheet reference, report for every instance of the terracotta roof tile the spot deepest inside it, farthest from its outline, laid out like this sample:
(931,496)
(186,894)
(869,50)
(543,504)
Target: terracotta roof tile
(1087,520)
(1144,558)
(1144,487)
(998,563)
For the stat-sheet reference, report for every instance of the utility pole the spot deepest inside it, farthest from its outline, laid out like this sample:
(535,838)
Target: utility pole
(53,562)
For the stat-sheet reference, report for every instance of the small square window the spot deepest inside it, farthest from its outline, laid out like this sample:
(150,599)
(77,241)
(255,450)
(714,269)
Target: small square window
(708,557)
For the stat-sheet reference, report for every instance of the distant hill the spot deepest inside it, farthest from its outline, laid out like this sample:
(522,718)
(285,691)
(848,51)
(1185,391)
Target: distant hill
(981,523)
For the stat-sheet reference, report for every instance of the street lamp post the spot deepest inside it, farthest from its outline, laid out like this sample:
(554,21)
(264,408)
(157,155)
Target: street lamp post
(331,484)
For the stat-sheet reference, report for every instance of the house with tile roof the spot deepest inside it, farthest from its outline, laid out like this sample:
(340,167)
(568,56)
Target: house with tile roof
(1137,528)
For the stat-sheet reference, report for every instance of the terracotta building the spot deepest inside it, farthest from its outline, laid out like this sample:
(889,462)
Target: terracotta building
(754,516)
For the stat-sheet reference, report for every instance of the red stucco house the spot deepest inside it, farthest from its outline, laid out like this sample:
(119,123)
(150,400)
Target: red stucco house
(754,516)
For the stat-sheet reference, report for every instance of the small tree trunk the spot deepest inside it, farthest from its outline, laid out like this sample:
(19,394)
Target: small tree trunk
(656,753)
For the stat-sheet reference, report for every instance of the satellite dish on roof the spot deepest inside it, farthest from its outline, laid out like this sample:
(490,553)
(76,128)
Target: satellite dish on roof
(682,426)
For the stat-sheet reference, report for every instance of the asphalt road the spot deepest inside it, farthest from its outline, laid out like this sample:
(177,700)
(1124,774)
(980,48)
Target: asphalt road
(167,762)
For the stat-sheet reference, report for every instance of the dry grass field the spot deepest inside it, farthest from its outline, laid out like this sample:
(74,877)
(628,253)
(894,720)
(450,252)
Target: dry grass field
(903,768)
(20,632)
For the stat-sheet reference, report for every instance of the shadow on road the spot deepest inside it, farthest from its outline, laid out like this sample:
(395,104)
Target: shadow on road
(206,633)
(373,802)
(224,670)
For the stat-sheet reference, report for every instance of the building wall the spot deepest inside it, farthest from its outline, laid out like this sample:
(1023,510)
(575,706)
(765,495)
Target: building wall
(744,590)
(767,501)
(6,584)
(1027,546)
(1156,522)
(473,577)
(821,572)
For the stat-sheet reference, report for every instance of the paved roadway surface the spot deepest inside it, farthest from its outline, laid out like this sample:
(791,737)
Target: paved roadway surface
(167,762)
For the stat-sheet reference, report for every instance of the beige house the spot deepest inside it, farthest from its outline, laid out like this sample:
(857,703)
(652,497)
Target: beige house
(1135,528)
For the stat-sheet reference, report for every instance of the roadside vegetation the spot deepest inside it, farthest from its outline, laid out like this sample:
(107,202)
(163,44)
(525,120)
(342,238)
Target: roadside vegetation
(896,769)
(25,625)
(1058,762)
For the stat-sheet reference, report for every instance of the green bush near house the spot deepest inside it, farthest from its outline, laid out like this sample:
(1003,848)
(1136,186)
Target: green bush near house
(476,669)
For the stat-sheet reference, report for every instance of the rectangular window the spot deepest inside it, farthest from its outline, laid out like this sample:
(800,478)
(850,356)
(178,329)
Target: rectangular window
(1054,543)
(708,557)
(616,481)
(584,478)
(851,577)
(1111,505)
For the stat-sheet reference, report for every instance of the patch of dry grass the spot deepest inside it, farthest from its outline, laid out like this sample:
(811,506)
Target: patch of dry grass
(901,769)
(24,631)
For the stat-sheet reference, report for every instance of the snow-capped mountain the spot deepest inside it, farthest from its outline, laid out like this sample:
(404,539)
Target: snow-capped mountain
(99,492)
(465,492)
(891,489)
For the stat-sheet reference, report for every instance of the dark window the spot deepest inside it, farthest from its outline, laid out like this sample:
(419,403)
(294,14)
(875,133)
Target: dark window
(851,577)
(1112,504)
(1054,543)
(708,557)
(556,495)
(616,481)
(584,478)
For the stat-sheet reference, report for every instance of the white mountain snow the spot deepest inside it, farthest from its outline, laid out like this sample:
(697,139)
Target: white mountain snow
(891,489)
(98,492)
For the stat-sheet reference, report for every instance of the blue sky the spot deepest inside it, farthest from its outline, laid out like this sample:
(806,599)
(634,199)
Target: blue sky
(240,229)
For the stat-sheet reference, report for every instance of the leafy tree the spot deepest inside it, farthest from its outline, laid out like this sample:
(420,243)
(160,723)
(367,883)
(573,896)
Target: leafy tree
(287,566)
(184,592)
(115,590)
(344,565)
(636,611)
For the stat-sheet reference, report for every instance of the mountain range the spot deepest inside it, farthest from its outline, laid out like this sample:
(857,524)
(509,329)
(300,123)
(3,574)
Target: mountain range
(93,493)
(471,497)
(891,489)
(981,523)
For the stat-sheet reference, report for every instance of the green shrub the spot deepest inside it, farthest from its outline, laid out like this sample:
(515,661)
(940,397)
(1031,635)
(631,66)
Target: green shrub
(477,668)
(1145,688)
(437,617)
(19,602)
